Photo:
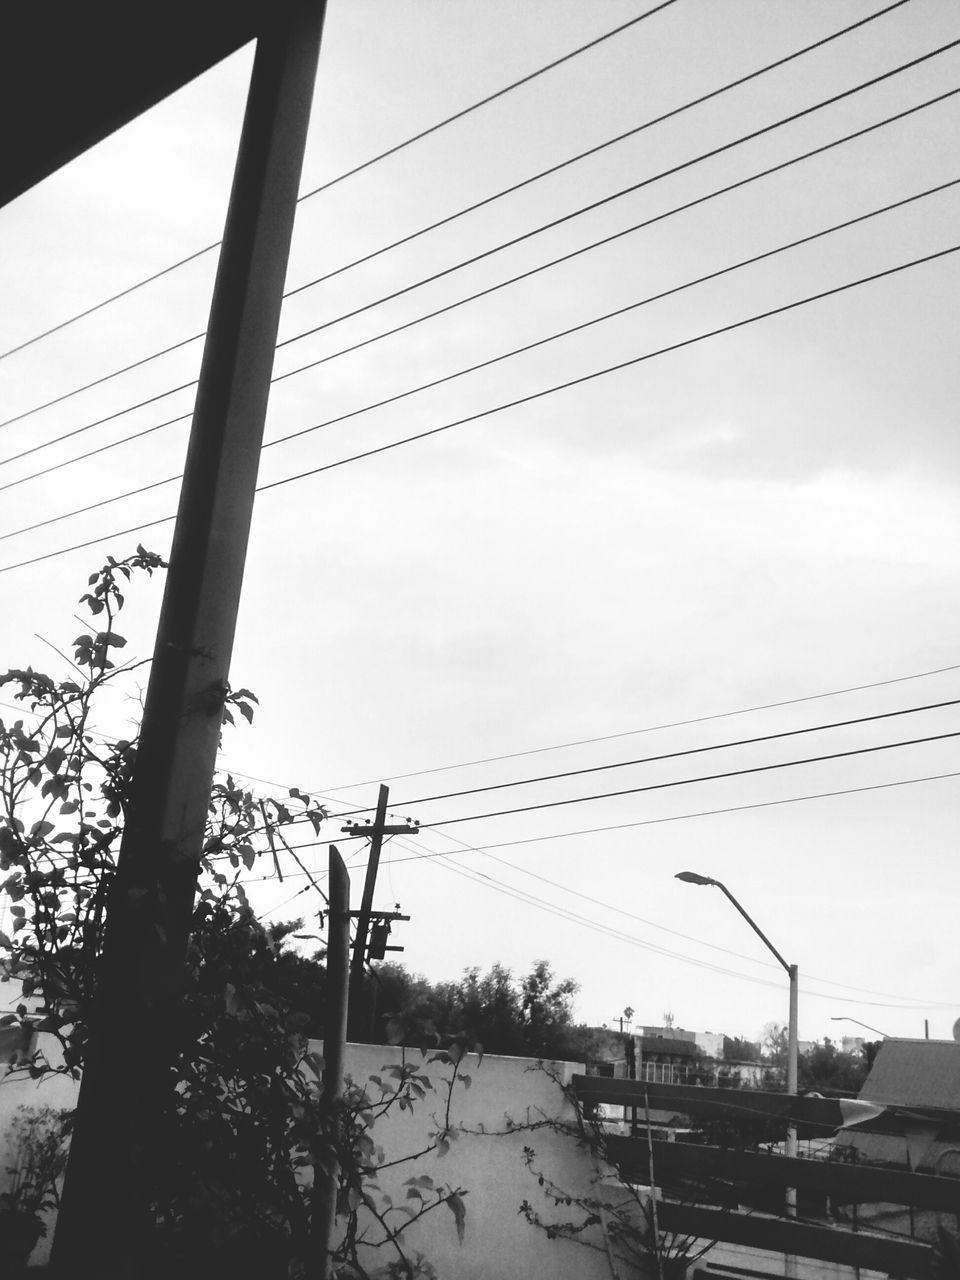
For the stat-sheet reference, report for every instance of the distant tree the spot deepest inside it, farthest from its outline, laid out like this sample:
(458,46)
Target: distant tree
(736,1049)
(531,1016)
(827,1069)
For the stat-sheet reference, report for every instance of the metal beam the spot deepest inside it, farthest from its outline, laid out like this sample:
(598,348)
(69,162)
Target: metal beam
(844,1183)
(905,1258)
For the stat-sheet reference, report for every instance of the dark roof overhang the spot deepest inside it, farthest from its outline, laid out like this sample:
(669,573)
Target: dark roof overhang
(73,72)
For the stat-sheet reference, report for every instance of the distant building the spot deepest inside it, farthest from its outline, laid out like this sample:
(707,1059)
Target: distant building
(671,1055)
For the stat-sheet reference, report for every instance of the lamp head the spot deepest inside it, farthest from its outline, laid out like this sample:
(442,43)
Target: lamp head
(691,877)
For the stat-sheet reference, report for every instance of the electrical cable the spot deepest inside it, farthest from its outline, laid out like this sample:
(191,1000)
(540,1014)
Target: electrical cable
(676,817)
(484,364)
(446,855)
(581,742)
(527,399)
(443,860)
(686,782)
(629,733)
(485,253)
(629,190)
(594,150)
(565,913)
(609,906)
(483,203)
(668,755)
(366,164)
(486,292)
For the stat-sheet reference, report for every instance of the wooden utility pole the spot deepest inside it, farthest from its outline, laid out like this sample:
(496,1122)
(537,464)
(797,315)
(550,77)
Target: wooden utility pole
(326,1169)
(375,832)
(103,1222)
(366,902)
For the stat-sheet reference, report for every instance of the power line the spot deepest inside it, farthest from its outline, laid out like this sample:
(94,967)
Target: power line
(675,817)
(609,906)
(486,292)
(492,97)
(565,913)
(594,150)
(443,859)
(359,168)
(92,453)
(503,245)
(686,782)
(623,764)
(624,191)
(532,900)
(619,235)
(629,733)
(527,399)
(444,856)
(606,737)
(484,364)
(672,755)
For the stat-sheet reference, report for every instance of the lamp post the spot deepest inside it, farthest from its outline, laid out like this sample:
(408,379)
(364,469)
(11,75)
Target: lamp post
(691,877)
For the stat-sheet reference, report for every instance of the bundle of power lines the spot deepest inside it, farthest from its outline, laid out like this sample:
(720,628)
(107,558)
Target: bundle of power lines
(887,76)
(457,810)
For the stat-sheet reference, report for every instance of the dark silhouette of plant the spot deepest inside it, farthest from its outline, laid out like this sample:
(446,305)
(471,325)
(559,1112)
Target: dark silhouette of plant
(244,1122)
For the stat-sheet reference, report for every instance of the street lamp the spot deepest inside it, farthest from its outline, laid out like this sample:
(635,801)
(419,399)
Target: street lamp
(691,877)
(842,1017)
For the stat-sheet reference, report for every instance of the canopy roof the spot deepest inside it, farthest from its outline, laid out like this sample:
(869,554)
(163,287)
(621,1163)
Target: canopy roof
(73,71)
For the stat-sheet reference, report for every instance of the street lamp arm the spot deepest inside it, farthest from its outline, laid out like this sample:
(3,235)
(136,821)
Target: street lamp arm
(842,1017)
(753,925)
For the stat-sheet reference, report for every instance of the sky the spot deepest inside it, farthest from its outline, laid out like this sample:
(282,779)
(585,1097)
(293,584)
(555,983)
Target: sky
(748,535)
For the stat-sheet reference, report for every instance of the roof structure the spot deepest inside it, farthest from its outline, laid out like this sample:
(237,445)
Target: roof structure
(669,1046)
(73,71)
(914,1074)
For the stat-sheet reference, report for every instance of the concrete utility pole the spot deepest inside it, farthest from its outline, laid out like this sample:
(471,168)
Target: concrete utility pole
(104,1219)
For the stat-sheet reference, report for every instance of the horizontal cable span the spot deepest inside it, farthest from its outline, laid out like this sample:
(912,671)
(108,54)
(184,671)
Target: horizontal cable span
(484,364)
(383,155)
(465,262)
(520,400)
(687,782)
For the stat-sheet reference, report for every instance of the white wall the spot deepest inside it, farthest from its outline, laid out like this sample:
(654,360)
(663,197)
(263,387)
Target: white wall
(498,1243)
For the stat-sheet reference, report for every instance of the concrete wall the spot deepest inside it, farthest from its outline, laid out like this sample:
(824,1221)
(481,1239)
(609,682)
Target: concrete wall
(498,1243)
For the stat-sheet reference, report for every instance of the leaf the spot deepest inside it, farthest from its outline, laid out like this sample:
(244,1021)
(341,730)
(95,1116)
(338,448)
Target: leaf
(456,1207)
(41,829)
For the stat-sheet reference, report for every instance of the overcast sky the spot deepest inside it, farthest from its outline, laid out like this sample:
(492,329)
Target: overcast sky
(765,516)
